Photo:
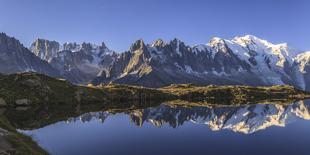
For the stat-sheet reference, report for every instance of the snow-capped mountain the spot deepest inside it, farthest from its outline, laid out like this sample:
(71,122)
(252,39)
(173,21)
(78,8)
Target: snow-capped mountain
(78,63)
(244,60)
(14,57)
(244,119)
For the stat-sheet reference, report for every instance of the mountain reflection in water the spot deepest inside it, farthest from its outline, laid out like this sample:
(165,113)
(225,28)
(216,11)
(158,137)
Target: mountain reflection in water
(170,128)
(244,119)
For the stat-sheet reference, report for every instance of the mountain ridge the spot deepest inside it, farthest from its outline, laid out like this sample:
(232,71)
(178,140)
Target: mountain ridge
(79,63)
(245,60)
(14,57)
(237,61)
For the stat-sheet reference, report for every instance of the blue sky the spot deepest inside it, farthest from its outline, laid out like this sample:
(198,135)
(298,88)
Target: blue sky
(120,22)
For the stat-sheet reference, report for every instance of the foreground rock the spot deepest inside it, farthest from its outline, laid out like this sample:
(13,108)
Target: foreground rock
(22,102)
(2,102)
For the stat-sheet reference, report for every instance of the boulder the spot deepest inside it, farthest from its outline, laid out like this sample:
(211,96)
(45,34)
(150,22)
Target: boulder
(3,132)
(22,102)
(2,102)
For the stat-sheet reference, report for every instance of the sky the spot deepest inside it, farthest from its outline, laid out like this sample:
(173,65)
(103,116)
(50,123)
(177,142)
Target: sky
(119,23)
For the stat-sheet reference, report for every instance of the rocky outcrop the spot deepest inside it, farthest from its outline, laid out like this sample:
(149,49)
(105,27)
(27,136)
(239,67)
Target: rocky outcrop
(22,102)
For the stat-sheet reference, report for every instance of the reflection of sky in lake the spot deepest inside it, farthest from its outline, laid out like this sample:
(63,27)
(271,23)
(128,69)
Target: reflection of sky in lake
(256,129)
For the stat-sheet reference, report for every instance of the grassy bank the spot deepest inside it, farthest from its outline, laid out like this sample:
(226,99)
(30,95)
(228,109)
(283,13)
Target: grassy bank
(36,89)
(16,143)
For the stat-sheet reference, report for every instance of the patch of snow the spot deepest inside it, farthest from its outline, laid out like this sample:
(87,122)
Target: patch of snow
(178,49)
(222,73)
(178,66)
(216,45)
(199,48)
(157,54)
(188,69)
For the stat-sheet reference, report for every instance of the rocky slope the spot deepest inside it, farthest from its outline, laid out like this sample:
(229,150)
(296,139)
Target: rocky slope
(302,62)
(14,57)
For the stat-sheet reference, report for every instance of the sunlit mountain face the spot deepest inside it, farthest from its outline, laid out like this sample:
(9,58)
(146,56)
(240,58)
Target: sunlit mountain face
(244,119)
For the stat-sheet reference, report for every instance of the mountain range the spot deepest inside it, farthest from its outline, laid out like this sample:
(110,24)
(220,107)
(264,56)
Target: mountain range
(246,60)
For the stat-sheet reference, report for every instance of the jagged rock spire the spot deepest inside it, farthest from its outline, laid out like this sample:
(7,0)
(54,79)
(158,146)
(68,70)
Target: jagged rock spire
(158,43)
(139,44)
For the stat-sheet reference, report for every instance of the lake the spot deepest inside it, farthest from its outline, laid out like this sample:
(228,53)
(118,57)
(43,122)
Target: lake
(176,129)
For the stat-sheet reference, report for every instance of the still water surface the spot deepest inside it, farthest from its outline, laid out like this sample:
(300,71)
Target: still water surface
(165,129)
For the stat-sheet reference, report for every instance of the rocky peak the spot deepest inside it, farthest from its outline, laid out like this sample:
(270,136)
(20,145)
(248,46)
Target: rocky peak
(103,49)
(139,44)
(103,46)
(218,45)
(71,46)
(11,45)
(46,42)
(8,43)
(215,41)
(158,43)
(176,42)
(45,49)
(178,46)
(251,40)
(3,36)
(87,47)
